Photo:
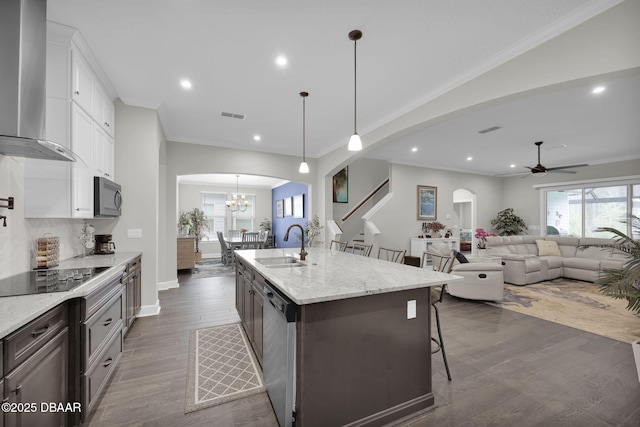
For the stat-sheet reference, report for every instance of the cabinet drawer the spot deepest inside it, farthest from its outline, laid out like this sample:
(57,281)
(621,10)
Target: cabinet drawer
(97,299)
(94,381)
(100,326)
(28,339)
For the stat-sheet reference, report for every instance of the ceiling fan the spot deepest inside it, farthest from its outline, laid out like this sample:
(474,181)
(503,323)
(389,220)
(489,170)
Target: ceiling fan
(558,169)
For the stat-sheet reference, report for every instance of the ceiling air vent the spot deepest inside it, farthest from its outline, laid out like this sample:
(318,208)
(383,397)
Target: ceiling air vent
(491,129)
(232,115)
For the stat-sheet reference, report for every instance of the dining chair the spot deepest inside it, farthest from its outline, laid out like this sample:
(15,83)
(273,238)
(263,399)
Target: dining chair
(251,240)
(234,234)
(442,264)
(226,254)
(336,244)
(359,249)
(392,255)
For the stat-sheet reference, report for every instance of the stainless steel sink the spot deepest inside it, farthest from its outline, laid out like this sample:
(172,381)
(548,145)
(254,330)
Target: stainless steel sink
(281,262)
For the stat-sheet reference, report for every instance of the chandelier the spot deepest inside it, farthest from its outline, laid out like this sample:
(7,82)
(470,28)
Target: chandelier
(236,205)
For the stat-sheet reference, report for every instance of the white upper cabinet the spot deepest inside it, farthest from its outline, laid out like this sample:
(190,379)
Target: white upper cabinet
(82,81)
(80,116)
(81,170)
(103,109)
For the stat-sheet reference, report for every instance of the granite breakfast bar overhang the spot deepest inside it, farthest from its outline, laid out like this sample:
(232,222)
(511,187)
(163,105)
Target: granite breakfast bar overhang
(361,357)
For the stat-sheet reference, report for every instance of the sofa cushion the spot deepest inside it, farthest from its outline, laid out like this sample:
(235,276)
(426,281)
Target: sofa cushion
(568,245)
(582,263)
(548,248)
(553,261)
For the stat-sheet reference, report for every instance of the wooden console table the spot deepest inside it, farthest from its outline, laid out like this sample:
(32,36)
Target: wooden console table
(186,252)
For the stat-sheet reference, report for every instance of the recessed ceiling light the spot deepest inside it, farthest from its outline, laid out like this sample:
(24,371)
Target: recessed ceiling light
(281,61)
(598,89)
(186,84)
(256,137)
(414,149)
(512,166)
(469,158)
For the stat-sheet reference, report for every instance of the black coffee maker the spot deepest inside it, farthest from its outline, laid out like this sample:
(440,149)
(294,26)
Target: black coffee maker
(104,245)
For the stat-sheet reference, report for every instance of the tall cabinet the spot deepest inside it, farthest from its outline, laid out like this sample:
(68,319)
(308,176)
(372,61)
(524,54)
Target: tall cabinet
(79,115)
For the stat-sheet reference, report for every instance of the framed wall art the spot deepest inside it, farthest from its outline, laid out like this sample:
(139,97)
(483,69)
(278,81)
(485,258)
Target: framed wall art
(288,210)
(298,206)
(427,202)
(341,186)
(279,209)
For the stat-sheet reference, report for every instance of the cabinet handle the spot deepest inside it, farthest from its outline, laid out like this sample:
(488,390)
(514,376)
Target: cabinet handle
(107,322)
(107,124)
(107,362)
(77,92)
(40,331)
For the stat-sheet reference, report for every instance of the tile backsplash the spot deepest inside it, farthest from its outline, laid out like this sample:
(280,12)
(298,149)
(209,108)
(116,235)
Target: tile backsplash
(18,238)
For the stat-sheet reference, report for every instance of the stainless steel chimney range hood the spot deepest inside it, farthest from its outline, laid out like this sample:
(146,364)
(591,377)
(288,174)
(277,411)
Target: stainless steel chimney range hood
(23,49)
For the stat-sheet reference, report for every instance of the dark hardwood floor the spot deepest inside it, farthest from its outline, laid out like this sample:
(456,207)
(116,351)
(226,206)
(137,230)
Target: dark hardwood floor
(508,369)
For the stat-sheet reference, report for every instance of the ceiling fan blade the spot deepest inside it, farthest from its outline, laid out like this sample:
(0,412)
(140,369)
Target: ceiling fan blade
(560,171)
(567,167)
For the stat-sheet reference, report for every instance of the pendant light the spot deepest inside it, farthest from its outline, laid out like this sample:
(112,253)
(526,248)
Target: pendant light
(304,167)
(238,203)
(355,144)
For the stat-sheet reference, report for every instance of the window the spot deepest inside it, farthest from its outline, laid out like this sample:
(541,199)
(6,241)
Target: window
(214,208)
(580,210)
(245,219)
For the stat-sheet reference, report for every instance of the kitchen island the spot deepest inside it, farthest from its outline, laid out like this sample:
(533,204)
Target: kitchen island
(362,334)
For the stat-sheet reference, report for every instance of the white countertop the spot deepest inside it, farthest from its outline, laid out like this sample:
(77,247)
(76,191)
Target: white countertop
(332,275)
(19,310)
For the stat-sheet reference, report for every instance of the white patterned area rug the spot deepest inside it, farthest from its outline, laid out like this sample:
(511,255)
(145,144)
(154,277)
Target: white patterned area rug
(221,368)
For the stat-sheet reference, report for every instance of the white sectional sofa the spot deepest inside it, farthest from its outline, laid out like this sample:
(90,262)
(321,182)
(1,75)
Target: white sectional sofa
(561,257)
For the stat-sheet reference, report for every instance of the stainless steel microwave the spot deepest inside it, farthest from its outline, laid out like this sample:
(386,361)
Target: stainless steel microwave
(107,198)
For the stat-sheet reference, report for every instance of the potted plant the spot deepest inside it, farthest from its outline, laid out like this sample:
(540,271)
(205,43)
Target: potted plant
(624,283)
(482,235)
(312,231)
(184,223)
(435,228)
(508,223)
(198,223)
(265,226)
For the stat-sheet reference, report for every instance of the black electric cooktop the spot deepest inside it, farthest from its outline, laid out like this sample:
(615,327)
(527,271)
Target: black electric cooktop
(46,281)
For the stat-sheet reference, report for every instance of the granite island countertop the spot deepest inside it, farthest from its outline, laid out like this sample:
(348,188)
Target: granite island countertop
(329,275)
(19,310)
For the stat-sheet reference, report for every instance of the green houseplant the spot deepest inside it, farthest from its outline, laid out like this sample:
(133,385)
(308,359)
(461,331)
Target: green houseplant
(184,223)
(198,223)
(265,225)
(624,283)
(507,223)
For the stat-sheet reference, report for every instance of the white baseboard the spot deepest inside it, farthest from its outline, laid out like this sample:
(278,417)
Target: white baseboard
(149,310)
(171,284)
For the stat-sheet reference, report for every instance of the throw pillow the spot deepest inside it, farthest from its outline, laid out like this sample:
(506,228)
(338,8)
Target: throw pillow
(548,248)
(460,257)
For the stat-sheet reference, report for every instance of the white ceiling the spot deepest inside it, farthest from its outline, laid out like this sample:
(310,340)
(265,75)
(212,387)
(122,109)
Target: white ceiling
(410,51)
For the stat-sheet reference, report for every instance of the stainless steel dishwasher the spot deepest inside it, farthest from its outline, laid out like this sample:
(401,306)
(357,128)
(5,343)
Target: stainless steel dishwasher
(279,353)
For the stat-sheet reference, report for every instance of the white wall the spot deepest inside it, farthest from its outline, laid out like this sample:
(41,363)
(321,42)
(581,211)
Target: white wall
(397,220)
(139,141)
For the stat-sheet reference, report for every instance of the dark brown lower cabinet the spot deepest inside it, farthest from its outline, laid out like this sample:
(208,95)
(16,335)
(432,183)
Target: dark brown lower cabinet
(249,303)
(133,295)
(41,379)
